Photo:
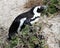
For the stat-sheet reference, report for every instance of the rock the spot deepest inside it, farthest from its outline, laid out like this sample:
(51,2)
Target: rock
(9,9)
(52,34)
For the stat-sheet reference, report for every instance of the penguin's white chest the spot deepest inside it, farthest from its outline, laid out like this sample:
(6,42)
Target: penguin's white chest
(36,20)
(21,23)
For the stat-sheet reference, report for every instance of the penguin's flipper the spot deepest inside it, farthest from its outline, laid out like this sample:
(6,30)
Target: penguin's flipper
(13,29)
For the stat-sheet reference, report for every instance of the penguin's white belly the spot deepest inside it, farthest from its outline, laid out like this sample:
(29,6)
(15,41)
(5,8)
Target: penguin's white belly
(21,23)
(36,20)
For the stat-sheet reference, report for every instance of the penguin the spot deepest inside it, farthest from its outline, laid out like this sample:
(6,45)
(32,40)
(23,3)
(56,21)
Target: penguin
(26,18)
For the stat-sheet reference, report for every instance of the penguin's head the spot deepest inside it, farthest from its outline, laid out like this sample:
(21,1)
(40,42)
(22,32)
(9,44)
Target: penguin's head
(38,9)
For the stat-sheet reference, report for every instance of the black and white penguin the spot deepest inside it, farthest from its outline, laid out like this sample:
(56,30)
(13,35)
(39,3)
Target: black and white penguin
(27,18)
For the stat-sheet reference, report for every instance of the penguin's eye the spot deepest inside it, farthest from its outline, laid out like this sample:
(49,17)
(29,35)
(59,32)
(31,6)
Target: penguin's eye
(39,10)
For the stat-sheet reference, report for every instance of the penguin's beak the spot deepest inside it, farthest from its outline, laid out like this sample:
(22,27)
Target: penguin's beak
(45,7)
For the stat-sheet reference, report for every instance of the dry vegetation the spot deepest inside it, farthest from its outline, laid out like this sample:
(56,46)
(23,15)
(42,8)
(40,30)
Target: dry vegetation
(32,3)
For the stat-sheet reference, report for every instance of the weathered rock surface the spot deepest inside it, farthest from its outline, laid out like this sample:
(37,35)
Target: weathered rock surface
(9,9)
(51,31)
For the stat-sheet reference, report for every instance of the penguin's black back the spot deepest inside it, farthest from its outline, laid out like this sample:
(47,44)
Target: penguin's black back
(27,15)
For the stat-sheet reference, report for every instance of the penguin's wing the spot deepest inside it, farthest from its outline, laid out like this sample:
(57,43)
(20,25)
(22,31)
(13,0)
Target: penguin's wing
(34,18)
(27,22)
